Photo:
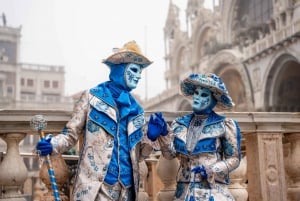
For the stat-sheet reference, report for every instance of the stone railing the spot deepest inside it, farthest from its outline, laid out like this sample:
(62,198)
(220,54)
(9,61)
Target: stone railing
(275,39)
(271,143)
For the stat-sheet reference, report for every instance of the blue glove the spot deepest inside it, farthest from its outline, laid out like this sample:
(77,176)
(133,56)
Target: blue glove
(44,146)
(156,126)
(163,122)
(200,170)
(204,173)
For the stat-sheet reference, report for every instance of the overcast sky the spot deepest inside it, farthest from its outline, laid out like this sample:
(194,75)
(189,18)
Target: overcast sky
(79,34)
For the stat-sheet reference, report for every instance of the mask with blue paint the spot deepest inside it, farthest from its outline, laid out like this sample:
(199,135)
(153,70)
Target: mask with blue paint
(123,78)
(203,101)
(132,75)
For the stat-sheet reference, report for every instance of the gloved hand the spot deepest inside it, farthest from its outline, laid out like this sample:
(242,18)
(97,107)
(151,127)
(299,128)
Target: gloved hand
(44,146)
(200,170)
(157,126)
(205,172)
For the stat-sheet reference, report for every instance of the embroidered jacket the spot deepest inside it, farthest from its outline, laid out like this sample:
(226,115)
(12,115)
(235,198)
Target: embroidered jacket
(216,147)
(95,116)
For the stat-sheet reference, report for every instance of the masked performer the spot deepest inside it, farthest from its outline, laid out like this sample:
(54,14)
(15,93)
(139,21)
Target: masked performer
(111,122)
(207,144)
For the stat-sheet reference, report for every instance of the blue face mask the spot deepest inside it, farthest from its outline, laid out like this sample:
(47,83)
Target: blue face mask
(132,75)
(123,78)
(203,101)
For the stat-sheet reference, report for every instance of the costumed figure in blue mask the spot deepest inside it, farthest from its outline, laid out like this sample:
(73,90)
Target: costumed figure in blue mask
(112,124)
(207,144)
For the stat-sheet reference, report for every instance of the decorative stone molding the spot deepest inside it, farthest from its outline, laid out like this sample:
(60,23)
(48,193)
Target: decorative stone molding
(293,167)
(266,174)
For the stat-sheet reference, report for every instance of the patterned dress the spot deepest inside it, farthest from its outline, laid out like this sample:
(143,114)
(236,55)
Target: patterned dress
(208,148)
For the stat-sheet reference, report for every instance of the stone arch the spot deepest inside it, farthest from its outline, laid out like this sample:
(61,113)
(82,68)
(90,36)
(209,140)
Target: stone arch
(282,85)
(184,105)
(227,64)
(201,35)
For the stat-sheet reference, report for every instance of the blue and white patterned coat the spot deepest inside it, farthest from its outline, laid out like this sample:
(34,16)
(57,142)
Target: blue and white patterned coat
(95,118)
(217,147)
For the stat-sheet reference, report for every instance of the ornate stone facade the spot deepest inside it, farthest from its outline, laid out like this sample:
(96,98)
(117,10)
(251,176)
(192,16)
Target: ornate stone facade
(253,45)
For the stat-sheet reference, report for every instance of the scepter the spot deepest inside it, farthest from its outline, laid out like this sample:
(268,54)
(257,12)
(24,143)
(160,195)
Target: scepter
(39,123)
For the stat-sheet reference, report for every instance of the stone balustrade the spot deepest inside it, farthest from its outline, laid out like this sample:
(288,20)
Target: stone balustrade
(272,41)
(269,170)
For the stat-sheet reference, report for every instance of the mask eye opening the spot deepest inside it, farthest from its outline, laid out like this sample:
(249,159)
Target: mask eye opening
(134,70)
(204,95)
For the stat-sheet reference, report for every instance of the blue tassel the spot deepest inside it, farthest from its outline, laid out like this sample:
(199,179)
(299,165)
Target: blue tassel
(211,198)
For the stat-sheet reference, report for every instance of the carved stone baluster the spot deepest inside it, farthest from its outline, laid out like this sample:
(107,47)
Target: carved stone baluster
(13,171)
(143,195)
(153,183)
(238,186)
(293,167)
(167,170)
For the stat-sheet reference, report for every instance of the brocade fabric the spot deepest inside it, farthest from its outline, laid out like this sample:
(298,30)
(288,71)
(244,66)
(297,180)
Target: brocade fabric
(95,117)
(215,144)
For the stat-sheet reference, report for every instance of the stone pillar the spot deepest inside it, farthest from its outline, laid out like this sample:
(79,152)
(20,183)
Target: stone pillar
(167,170)
(265,166)
(13,172)
(293,167)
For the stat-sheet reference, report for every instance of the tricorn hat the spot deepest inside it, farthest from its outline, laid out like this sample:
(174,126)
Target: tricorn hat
(129,53)
(210,81)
